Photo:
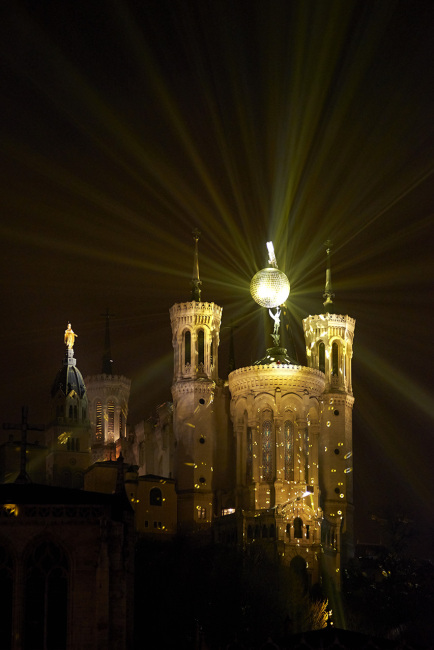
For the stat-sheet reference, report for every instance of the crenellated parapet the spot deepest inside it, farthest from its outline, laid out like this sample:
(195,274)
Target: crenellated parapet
(289,378)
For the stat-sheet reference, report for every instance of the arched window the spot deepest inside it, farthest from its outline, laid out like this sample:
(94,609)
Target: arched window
(272,531)
(335,358)
(288,530)
(288,432)
(98,420)
(46,598)
(264,531)
(321,356)
(249,456)
(201,346)
(6,596)
(155,497)
(111,419)
(212,353)
(267,457)
(298,528)
(249,532)
(70,412)
(187,347)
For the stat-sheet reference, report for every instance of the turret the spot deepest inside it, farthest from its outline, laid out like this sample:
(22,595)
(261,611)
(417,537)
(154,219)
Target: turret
(196,391)
(329,348)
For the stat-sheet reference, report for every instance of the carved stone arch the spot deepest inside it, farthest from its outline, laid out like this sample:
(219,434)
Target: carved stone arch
(238,409)
(264,401)
(336,351)
(320,354)
(291,402)
(186,345)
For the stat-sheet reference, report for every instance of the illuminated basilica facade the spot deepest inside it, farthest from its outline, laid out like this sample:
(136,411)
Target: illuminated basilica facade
(264,458)
(261,460)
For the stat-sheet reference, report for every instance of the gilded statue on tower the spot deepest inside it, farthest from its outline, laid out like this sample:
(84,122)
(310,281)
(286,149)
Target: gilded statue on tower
(69,337)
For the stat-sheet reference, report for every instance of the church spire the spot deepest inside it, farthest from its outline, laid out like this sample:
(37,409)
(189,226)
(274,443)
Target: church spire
(328,294)
(107,361)
(196,282)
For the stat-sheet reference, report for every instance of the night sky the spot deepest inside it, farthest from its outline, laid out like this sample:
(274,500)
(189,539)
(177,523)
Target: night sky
(124,125)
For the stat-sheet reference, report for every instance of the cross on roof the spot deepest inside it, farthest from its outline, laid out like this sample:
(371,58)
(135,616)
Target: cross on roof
(23,477)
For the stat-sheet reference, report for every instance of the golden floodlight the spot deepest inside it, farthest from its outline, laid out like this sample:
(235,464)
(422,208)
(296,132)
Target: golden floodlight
(270,287)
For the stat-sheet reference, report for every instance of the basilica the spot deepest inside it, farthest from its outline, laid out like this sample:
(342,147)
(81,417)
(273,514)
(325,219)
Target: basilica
(261,459)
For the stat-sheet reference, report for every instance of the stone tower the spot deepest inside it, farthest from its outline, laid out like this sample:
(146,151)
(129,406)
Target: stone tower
(198,404)
(108,407)
(68,432)
(329,347)
(276,411)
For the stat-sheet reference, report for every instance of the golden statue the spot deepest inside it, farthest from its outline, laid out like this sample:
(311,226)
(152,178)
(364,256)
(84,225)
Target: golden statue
(69,337)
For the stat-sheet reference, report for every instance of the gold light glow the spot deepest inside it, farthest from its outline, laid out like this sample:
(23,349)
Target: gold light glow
(269,287)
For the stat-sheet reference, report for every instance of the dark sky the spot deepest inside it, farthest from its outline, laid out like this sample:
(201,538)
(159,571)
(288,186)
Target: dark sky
(124,125)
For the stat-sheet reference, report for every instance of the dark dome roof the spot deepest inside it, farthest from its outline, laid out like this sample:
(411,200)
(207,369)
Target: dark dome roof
(69,378)
(278,356)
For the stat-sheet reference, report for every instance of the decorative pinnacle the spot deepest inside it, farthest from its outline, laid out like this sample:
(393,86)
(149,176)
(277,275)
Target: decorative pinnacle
(107,361)
(196,282)
(328,294)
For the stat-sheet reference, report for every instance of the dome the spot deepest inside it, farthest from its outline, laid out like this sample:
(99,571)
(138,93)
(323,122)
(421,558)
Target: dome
(69,378)
(276,356)
(269,287)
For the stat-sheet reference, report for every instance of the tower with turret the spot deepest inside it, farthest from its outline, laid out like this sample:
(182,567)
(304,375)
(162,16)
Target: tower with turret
(329,347)
(198,405)
(108,395)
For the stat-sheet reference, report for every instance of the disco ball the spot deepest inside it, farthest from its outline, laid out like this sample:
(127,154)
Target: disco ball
(269,287)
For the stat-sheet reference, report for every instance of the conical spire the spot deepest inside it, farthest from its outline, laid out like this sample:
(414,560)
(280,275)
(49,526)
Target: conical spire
(231,365)
(328,294)
(196,282)
(107,361)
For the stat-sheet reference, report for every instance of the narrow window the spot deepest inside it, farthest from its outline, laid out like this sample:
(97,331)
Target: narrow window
(267,461)
(70,412)
(249,458)
(212,353)
(298,526)
(321,356)
(187,348)
(289,450)
(335,358)
(155,497)
(307,532)
(98,420)
(121,425)
(46,598)
(201,346)
(111,419)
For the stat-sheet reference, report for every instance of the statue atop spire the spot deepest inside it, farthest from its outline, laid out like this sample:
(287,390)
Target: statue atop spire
(69,337)
(196,281)
(328,294)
